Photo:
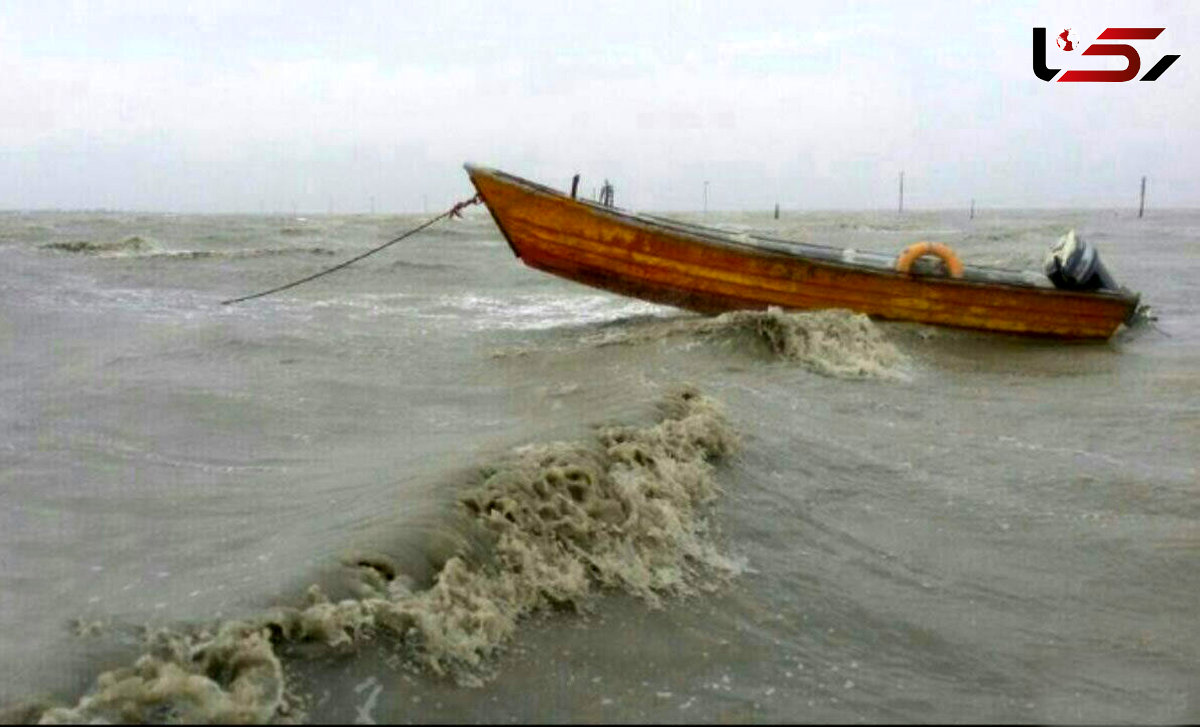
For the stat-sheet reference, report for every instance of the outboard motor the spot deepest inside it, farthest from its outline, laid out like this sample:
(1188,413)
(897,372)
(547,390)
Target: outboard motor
(1072,264)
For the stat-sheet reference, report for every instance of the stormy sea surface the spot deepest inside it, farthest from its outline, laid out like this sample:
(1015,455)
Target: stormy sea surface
(440,486)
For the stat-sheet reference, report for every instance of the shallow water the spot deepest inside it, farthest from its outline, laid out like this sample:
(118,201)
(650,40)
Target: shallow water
(916,525)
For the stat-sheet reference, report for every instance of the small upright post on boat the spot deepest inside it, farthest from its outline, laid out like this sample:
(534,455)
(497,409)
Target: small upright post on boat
(1142,203)
(574,186)
(606,194)
(901,208)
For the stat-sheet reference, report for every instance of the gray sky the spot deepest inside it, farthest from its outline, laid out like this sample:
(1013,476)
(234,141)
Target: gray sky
(268,106)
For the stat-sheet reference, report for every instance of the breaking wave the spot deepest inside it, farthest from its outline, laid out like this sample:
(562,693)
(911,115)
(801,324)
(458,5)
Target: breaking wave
(834,343)
(142,248)
(129,246)
(564,521)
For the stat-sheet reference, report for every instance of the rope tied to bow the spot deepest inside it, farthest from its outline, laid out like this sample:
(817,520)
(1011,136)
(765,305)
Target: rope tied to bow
(455,211)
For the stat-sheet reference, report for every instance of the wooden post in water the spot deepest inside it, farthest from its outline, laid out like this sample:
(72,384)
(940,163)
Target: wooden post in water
(1142,203)
(706,197)
(901,192)
(776,210)
(972,208)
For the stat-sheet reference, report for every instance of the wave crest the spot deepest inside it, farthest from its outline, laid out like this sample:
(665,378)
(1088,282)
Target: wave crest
(141,248)
(835,343)
(565,521)
(129,246)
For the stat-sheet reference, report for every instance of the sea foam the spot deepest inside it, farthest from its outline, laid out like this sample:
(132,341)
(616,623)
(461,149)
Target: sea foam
(565,521)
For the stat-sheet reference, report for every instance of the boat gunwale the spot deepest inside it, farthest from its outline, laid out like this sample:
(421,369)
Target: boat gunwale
(665,262)
(714,237)
(685,292)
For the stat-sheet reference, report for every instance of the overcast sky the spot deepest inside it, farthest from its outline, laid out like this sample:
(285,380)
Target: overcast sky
(273,106)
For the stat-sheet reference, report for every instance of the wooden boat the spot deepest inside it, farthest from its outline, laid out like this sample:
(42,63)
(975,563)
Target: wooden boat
(712,271)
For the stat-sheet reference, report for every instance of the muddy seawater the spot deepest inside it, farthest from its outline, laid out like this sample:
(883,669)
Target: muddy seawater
(439,486)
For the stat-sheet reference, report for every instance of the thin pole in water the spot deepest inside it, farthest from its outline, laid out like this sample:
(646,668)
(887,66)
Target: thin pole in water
(706,197)
(901,208)
(972,208)
(1142,204)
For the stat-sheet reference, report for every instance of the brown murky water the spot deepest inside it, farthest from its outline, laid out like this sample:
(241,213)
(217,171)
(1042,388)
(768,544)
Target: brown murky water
(525,500)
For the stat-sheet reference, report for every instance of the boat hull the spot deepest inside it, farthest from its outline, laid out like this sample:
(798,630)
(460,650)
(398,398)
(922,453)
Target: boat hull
(710,273)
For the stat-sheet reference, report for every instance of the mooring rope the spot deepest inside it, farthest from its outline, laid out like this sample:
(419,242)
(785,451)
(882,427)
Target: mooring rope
(454,211)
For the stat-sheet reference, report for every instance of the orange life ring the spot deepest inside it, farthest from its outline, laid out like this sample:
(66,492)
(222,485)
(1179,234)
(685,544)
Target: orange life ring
(920,249)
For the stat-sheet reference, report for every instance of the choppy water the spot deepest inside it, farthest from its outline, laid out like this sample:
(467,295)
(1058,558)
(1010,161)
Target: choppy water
(515,513)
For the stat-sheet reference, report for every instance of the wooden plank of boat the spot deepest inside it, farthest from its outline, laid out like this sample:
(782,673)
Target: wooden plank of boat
(711,271)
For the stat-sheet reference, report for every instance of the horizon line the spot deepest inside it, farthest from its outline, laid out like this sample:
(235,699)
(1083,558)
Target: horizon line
(764,210)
